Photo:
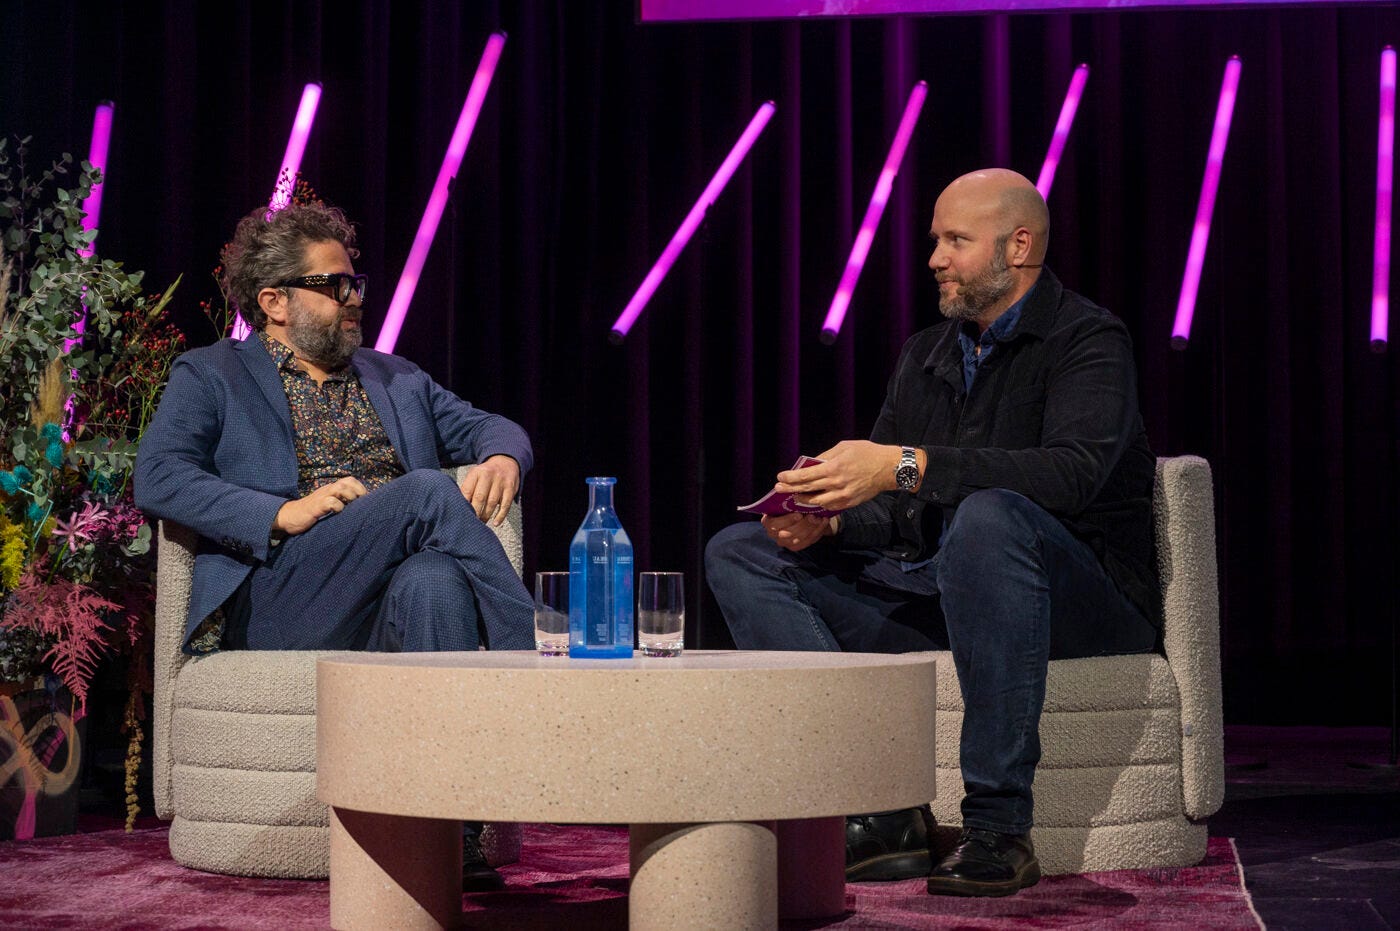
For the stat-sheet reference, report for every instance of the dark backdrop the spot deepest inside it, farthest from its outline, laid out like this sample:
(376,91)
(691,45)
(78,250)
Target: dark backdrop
(599,133)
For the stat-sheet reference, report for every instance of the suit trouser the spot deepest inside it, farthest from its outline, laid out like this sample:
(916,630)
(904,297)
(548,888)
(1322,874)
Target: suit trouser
(407,567)
(1009,589)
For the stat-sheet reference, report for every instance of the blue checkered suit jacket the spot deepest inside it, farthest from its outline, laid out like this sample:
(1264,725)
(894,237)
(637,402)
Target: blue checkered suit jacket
(219,456)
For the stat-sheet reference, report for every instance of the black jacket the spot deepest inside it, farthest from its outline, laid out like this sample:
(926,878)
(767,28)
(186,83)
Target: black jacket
(1052,415)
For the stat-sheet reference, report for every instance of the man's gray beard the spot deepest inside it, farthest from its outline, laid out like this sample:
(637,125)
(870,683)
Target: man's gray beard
(330,347)
(980,292)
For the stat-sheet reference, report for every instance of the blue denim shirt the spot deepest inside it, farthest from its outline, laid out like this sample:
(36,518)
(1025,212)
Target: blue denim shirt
(1002,329)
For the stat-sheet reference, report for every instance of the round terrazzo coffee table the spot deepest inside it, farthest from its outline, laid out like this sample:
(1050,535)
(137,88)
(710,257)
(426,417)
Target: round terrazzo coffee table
(690,752)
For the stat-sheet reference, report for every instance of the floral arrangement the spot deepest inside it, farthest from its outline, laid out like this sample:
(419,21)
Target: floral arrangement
(84,354)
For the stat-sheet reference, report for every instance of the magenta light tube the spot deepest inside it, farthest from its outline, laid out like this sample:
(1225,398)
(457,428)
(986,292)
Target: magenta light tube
(97,155)
(1385,164)
(437,201)
(1200,233)
(287,175)
(691,223)
(92,204)
(860,249)
(296,147)
(1062,128)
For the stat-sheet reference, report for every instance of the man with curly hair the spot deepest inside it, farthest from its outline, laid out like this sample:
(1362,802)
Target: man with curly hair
(312,468)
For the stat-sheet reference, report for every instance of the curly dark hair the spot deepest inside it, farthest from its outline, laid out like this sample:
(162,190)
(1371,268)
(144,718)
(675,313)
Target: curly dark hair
(268,249)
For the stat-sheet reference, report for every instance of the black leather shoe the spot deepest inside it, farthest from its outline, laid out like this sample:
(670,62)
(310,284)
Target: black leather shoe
(477,874)
(986,863)
(888,845)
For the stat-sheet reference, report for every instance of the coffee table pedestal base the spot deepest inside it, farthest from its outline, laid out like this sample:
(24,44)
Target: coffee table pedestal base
(721,875)
(390,871)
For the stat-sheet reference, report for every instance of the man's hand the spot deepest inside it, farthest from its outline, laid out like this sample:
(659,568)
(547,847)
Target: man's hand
(797,531)
(491,488)
(301,514)
(854,472)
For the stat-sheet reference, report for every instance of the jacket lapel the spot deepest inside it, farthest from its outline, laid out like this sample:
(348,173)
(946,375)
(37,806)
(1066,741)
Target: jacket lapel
(378,394)
(264,371)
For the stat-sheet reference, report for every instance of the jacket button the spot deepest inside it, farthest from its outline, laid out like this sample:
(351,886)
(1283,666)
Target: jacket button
(933,495)
(909,513)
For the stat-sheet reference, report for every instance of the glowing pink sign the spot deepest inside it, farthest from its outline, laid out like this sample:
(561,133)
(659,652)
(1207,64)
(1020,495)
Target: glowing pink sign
(683,10)
(1062,128)
(437,201)
(1200,233)
(860,249)
(1385,174)
(690,224)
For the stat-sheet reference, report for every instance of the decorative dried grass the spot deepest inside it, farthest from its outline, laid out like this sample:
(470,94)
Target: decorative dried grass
(53,394)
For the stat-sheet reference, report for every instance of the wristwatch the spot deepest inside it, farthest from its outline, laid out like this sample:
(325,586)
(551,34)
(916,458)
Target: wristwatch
(906,474)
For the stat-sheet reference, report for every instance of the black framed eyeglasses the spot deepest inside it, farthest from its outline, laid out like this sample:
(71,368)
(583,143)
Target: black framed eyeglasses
(341,285)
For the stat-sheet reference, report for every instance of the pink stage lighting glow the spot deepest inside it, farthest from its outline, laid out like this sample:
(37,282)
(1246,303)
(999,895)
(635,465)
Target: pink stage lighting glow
(296,147)
(97,155)
(1200,234)
(1062,128)
(287,175)
(860,249)
(690,224)
(1385,175)
(437,202)
(92,204)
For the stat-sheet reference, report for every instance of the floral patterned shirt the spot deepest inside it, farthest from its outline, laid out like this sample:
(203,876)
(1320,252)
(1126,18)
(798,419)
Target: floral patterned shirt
(337,431)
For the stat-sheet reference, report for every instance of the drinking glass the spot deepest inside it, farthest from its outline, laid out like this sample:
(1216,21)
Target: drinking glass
(661,613)
(552,613)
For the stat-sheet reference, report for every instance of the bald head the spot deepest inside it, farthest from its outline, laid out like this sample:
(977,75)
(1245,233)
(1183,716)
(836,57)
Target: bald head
(1009,198)
(990,229)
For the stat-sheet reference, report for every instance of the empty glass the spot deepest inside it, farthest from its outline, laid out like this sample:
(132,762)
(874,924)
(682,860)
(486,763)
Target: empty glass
(661,613)
(552,613)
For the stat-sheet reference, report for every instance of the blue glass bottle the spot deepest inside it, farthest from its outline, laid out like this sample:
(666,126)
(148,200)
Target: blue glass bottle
(600,580)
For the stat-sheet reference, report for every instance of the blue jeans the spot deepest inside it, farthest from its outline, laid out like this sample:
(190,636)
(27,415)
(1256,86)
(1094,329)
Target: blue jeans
(408,567)
(1009,590)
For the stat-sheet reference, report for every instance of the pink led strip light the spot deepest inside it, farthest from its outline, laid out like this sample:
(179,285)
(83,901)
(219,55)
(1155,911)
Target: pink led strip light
(1062,128)
(287,175)
(437,201)
(1385,174)
(296,147)
(860,249)
(690,224)
(1200,234)
(92,204)
(97,155)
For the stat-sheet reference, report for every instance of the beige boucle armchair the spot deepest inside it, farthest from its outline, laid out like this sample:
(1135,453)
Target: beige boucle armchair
(1132,746)
(234,742)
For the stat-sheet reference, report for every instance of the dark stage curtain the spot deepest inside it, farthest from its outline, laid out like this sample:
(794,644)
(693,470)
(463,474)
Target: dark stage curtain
(598,135)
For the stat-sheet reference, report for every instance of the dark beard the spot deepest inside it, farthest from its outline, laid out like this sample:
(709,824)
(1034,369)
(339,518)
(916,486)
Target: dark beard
(329,347)
(982,290)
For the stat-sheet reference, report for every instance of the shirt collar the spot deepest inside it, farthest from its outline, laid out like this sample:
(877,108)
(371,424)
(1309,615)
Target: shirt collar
(1003,328)
(279,352)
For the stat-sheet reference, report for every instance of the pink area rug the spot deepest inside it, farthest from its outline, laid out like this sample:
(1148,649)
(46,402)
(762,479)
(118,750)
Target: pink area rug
(573,877)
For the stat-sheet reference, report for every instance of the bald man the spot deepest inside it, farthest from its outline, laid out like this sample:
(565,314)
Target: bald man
(1000,509)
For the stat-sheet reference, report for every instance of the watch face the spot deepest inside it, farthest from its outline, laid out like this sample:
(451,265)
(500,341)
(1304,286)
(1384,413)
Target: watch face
(906,476)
